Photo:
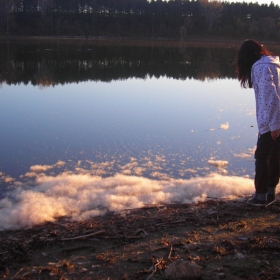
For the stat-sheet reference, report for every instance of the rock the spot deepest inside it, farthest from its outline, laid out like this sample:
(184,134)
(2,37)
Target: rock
(221,275)
(240,256)
(183,270)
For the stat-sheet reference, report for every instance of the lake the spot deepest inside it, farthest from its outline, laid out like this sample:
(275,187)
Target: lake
(87,128)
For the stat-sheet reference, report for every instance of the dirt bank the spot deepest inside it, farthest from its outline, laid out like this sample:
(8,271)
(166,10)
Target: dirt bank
(229,239)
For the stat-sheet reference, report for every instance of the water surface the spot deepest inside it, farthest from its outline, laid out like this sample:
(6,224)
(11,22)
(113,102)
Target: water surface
(88,118)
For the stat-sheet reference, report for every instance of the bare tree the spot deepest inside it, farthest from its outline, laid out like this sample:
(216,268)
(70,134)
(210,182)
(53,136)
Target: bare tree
(43,5)
(186,27)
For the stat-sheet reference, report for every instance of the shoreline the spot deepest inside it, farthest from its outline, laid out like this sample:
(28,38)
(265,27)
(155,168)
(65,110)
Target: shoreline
(200,42)
(104,40)
(229,239)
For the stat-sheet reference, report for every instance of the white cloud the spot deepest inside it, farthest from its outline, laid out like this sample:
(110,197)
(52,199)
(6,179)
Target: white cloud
(40,168)
(43,168)
(8,179)
(249,154)
(224,126)
(242,155)
(83,196)
(217,163)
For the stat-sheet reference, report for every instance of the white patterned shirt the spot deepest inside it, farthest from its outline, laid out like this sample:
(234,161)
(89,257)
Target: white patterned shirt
(265,74)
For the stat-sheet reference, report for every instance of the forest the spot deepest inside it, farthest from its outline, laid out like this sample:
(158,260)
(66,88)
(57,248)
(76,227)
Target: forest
(52,63)
(175,19)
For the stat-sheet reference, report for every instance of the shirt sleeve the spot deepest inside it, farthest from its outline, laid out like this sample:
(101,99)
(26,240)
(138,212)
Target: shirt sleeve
(266,85)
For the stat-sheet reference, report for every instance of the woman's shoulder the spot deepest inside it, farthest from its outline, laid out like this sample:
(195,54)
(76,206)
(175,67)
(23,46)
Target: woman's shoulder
(266,60)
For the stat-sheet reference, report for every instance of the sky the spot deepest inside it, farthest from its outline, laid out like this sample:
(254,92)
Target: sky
(79,187)
(276,2)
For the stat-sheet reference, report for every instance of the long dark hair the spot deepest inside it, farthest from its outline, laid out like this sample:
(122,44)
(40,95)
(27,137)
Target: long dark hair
(249,52)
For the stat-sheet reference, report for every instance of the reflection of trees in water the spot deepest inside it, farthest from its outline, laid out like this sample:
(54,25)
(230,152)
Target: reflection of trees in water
(44,76)
(210,67)
(48,65)
(210,63)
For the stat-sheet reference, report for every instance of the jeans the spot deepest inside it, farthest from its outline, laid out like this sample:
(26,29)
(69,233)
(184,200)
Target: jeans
(267,164)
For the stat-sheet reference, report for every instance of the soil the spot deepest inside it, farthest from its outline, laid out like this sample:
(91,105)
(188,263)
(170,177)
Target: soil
(229,239)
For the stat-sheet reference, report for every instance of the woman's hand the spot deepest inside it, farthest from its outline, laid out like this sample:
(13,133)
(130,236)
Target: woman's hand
(275,134)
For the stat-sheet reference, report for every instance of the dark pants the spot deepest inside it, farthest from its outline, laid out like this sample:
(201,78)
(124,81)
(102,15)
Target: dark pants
(267,163)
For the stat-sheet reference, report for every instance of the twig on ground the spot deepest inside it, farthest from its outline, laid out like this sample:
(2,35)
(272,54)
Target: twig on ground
(18,272)
(169,256)
(82,236)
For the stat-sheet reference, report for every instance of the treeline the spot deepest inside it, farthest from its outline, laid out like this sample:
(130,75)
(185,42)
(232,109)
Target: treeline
(139,18)
(52,64)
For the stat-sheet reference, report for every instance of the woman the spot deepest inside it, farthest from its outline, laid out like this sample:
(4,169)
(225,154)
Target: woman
(257,68)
